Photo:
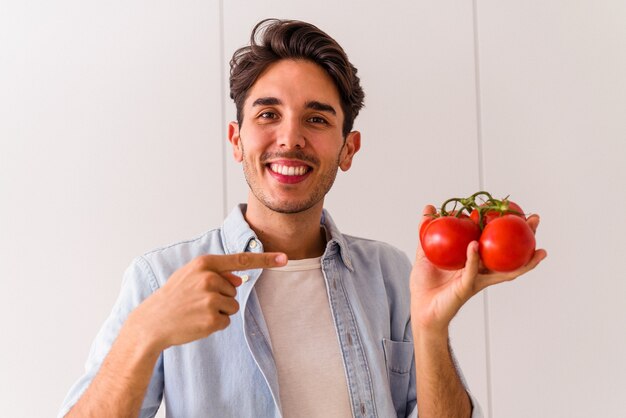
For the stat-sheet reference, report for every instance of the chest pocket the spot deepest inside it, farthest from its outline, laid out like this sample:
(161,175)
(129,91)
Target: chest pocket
(399,359)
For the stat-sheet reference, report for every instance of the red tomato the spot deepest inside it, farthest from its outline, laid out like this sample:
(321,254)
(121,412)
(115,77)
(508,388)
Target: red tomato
(507,243)
(496,213)
(427,220)
(430,218)
(445,240)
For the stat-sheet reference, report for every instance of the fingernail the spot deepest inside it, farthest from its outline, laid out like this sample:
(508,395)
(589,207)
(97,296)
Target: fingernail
(281,258)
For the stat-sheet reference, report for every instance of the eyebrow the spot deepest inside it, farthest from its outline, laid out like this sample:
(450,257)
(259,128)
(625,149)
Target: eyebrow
(322,107)
(266,101)
(313,104)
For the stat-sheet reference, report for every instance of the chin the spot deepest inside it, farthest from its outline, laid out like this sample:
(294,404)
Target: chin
(289,207)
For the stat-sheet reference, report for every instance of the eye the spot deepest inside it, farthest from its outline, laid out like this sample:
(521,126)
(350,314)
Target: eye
(318,119)
(268,115)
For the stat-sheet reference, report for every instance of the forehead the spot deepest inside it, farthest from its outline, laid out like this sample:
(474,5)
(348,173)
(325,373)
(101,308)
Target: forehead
(295,82)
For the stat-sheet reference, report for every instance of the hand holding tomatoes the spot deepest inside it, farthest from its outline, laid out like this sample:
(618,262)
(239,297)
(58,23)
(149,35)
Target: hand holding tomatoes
(438,292)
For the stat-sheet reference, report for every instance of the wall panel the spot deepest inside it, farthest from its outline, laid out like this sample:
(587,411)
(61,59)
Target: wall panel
(554,100)
(109,147)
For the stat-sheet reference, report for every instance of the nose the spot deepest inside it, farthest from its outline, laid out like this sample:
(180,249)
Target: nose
(290,135)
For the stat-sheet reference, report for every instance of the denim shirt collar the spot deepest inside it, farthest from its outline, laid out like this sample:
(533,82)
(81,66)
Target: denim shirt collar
(336,241)
(237,235)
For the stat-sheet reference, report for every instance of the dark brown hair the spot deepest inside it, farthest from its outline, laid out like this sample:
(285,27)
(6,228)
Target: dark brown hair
(273,40)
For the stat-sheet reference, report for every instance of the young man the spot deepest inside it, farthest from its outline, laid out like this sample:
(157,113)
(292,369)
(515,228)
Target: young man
(225,326)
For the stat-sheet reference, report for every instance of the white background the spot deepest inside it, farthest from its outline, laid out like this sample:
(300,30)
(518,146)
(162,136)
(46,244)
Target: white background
(112,143)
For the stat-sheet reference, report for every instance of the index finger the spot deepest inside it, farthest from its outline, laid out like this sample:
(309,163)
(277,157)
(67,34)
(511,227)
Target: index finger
(427,213)
(242,261)
(429,210)
(427,216)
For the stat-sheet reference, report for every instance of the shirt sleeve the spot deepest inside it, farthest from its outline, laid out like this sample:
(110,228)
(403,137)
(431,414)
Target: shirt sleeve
(139,282)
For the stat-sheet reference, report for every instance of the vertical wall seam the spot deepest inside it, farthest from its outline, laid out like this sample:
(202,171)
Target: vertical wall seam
(481,183)
(479,128)
(223,112)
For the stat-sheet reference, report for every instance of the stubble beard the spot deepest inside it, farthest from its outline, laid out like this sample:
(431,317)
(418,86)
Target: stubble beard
(325,183)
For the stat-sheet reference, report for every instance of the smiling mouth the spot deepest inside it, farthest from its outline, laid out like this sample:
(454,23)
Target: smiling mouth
(289,170)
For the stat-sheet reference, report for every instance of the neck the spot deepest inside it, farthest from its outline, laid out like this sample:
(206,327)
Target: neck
(299,235)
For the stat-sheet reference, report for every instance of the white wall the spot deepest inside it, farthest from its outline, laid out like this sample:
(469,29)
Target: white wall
(112,143)
(553,91)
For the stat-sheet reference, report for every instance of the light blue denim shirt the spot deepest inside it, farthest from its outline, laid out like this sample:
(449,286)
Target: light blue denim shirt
(232,372)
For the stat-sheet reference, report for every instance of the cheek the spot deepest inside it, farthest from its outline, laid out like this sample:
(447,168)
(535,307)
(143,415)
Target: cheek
(257,138)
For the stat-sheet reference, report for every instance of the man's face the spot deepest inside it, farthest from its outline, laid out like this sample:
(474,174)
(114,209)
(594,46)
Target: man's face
(290,140)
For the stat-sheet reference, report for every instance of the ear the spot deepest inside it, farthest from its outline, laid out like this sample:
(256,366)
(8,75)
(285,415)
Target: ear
(235,140)
(350,147)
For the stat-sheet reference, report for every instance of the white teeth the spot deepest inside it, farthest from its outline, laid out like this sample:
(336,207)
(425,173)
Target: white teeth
(288,170)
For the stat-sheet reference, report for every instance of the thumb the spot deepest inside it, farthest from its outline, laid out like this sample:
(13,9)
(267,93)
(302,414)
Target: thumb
(235,280)
(470,272)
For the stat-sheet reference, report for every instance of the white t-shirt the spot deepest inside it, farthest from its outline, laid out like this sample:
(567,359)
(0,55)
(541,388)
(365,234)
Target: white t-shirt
(311,375)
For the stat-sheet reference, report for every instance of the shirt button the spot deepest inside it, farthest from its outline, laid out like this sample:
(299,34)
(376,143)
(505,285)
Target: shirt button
(253,244)
(245,278)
